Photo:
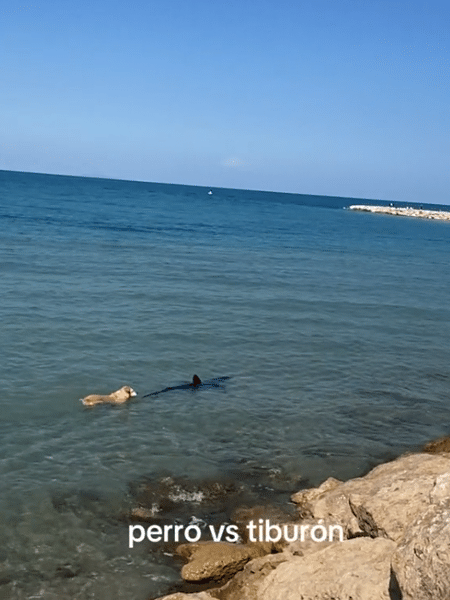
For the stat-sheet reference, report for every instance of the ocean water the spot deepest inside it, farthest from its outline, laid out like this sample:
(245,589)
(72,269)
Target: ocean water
(333,327)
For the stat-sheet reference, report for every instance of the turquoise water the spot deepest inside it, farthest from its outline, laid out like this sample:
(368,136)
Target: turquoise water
(332,325)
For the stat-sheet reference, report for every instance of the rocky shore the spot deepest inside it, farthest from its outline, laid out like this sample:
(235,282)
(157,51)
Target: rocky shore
(395,545)
(440,215)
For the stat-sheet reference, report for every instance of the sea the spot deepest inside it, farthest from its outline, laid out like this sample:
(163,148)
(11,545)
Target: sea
(331,326)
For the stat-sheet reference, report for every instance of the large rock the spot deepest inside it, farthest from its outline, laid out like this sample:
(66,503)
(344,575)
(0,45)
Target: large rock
(421,563)
(218,561)
(246,583)
(383,502)
(356,569)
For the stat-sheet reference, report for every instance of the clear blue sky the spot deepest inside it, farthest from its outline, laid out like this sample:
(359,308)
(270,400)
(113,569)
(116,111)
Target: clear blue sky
(335,97)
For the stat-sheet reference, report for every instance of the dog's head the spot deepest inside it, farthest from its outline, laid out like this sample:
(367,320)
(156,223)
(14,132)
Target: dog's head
(125,392)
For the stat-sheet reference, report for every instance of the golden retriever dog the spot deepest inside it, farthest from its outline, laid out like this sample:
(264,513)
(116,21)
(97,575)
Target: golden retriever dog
(119,397)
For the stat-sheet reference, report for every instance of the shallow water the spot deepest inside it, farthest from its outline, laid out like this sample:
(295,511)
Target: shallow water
(332,325)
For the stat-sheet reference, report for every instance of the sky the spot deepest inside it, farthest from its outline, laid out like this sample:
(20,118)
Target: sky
(330,97)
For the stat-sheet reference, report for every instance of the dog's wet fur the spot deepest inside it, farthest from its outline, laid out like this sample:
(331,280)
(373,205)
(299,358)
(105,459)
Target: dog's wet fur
(119,397)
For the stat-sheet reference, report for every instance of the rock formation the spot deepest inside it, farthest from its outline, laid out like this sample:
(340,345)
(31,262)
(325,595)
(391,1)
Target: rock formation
(421,562)
(396,523)
(218,561)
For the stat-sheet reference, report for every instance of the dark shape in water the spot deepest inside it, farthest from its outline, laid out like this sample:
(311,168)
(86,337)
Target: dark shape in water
(158,498)
(195,383)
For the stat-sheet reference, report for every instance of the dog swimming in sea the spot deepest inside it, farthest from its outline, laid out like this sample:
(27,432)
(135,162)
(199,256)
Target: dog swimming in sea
(119,397)
(195,384)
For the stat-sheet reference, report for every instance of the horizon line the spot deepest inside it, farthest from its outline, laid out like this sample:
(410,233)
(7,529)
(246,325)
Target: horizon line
(212,187)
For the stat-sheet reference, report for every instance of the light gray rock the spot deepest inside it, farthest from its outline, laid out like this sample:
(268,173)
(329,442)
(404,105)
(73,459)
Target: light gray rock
(383,502)
(356,569)
(421,563)
(441,490)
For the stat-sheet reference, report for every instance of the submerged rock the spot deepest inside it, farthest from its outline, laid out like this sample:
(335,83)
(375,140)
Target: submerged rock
(168,494)
(437,446)
(168,499)
(244,514)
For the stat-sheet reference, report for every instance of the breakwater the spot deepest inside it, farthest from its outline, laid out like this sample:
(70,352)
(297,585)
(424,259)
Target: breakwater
(440,215)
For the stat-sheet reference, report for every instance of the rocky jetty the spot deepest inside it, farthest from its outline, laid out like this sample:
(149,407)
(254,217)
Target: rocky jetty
(440,215)
(395,545)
